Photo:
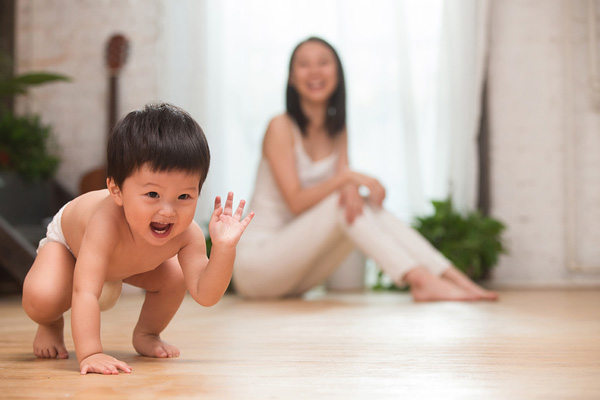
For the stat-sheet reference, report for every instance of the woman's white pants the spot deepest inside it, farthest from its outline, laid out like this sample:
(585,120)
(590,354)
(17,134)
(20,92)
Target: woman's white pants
(306,251)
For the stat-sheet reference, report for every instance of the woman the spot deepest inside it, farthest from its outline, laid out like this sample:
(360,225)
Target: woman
(309,214)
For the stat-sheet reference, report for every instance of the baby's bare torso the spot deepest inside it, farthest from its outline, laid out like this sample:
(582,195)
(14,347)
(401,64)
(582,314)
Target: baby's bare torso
(129,257)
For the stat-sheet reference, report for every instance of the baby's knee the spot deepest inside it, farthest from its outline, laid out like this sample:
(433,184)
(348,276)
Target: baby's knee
(42,304)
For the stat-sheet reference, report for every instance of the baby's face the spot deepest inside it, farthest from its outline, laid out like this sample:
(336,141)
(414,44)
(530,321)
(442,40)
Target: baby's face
(160,205)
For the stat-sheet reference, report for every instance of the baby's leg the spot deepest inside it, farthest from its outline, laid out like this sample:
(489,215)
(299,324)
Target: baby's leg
(47,294)
(165,289)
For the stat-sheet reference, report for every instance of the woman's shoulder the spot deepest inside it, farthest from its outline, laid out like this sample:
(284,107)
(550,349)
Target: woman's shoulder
(280,130)
(281,122)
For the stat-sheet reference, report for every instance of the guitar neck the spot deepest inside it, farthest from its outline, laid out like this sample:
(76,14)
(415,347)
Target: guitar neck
(113,96)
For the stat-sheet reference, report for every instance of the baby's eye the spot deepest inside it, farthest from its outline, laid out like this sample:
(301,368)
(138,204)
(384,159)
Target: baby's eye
(153,195)
(184,197)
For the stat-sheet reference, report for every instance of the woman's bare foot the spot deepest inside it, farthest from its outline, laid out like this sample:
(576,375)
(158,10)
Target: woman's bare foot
(425,286)
(49,341)
(152,346)
(457,277)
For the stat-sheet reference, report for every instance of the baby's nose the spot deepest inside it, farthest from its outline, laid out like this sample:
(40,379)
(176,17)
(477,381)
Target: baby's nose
(167,209)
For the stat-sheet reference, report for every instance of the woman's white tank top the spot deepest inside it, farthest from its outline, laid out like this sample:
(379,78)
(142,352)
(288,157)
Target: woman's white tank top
(268,204)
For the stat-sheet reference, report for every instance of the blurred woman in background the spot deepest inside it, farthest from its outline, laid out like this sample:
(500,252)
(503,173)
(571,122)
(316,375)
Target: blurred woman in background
(309,212)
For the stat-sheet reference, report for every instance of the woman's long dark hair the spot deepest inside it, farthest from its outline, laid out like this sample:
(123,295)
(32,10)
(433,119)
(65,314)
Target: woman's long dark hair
(336,109)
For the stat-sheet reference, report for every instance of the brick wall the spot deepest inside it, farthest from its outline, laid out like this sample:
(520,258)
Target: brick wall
(71,39)
(544,142)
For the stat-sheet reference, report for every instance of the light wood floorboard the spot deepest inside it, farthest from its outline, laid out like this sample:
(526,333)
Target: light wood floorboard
(529,345)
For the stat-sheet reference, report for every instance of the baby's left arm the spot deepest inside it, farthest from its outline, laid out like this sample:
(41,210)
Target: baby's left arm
(207,280)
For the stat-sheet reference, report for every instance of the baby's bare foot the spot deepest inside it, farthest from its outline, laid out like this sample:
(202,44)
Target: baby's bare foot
(49,341)
(152,346)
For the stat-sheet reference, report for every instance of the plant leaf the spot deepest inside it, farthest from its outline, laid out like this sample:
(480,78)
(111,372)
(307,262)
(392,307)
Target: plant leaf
(38,78)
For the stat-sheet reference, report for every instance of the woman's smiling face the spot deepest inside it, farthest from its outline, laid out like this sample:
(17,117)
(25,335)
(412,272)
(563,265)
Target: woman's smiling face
(314,72)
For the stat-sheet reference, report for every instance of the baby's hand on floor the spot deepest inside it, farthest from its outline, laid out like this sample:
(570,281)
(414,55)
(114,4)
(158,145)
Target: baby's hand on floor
(101,363)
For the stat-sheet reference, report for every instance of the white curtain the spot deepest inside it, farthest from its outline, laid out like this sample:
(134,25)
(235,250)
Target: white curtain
(461,74)
(413,71)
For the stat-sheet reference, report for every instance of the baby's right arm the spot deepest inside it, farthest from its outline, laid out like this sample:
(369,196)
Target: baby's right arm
(88,280)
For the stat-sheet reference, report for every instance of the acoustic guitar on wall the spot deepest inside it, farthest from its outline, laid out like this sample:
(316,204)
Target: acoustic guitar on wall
(116,55)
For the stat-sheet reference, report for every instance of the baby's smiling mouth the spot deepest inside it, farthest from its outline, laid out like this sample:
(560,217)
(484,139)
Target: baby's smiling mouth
(160,229)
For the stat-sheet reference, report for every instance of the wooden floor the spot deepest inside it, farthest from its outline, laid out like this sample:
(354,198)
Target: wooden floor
(529,345)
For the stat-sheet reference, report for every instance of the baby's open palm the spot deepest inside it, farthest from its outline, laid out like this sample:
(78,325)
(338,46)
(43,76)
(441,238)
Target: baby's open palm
(225,227)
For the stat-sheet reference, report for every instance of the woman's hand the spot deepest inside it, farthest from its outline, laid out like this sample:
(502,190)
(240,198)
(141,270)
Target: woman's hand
(376,189)
(376,193)
(352,202)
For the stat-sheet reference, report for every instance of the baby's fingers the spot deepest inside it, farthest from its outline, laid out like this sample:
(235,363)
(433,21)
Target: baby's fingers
(217,202)
(247,220)
(228,204)
(216,213)
(106,368)
(240,210)
(123,366)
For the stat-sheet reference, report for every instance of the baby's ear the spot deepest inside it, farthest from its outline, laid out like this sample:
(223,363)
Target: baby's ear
(115,191)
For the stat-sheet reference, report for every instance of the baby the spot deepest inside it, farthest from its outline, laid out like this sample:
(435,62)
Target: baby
(141,231)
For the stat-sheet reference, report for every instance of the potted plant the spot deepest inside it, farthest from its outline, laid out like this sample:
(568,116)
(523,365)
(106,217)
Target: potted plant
(26,147)
(472,241)
(28,153)
(25,143)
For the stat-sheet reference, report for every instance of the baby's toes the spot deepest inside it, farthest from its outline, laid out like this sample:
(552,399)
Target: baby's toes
(171,351)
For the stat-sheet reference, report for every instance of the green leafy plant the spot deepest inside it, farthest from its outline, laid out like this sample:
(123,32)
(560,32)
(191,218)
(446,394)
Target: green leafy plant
(27,146)
(473,242)
(10,86)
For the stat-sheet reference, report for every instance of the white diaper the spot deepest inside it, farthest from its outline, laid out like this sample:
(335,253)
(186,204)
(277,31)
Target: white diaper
(54,232)
(111,291)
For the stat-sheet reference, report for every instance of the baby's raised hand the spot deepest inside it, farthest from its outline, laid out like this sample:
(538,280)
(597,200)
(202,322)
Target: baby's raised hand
(225,227)
(101,363)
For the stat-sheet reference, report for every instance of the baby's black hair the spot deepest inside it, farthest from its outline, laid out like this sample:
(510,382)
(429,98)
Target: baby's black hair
(161,135)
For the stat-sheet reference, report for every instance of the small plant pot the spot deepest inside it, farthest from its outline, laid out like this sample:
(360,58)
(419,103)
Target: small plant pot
(24,202)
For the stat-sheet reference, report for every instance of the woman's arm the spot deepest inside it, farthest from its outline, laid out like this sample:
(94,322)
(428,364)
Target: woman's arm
(350,197)
(376,189)
(278,149)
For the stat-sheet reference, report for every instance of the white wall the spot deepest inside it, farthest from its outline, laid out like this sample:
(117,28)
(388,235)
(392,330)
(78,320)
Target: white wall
(540,108)
(540,105)
(70,38)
